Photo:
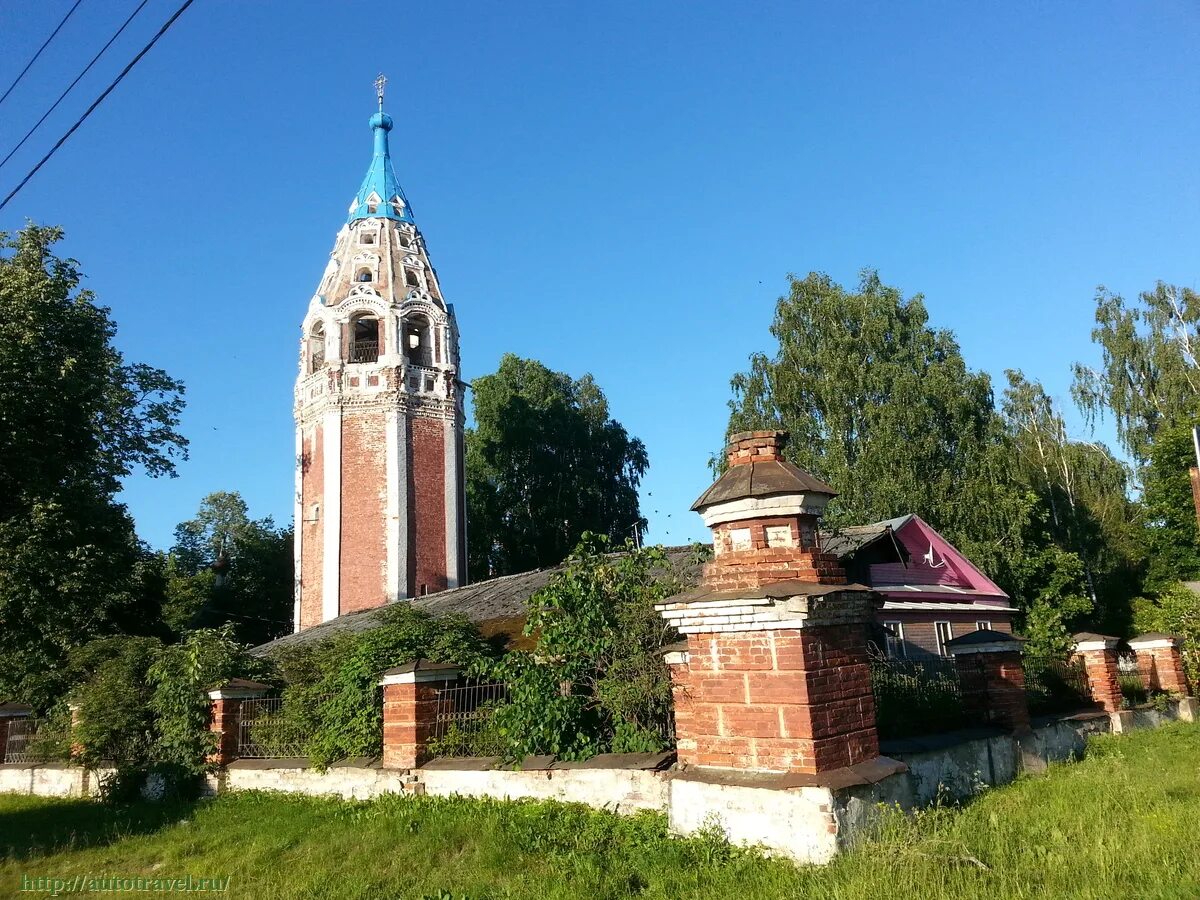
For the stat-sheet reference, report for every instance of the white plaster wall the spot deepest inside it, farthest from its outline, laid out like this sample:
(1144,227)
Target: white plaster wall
(347,782)
(798,824)
(618,790)
(51,780)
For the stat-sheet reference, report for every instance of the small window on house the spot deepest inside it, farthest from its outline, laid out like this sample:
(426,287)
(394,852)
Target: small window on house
(895,640)
(372,206)
(983,625)
(366,237)
(364,340)
(364,274)
(404,241)
(943,633)
(411,279)
(779,535)
(398,206)
(739,539)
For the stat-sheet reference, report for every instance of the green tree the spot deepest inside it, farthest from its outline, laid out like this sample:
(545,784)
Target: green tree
(75,418)
(1175,609)
(545,463)
(1085,491)
(1149,376)
(228,568)
(596,680)
(1172,538)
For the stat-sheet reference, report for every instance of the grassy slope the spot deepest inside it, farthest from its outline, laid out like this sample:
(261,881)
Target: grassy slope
(1123,823)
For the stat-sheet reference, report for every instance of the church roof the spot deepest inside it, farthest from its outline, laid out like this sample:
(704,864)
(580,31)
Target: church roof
(380,196)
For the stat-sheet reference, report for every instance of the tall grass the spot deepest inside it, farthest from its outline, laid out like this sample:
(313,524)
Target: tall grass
(1121,823)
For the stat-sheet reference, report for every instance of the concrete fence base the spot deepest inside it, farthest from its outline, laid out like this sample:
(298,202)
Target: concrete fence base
(807,818)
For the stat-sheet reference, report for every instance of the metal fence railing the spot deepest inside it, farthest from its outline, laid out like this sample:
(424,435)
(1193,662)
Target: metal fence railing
(464,723)
(1129,675)
(1053,685)
(265,731)
(917,696)
(21,732)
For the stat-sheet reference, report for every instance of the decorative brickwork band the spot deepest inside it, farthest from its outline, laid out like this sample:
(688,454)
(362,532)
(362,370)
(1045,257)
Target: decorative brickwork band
(1160,661)
(992,676)
(1099,654)
(410,705)
(225,721)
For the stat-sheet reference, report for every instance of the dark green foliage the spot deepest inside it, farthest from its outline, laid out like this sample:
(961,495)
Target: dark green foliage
(332,695)
(545,463)
(113,695)
(75,418)
(1171,535)
(596,680)
(181,677)
(228,568)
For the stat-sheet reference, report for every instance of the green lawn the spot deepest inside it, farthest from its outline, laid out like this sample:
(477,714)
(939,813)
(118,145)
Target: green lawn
(1124,823)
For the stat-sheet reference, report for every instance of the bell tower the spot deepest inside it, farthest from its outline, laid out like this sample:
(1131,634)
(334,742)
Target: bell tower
(380,505)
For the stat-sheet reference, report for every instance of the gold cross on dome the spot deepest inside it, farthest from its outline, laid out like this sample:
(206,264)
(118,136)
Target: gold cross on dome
(380,84)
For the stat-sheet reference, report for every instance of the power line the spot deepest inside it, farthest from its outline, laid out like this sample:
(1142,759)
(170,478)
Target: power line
(62,96)
(40,49)
(108,90)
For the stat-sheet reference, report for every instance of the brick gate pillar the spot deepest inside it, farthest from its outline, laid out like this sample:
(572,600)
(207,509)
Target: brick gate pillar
(225,720)
(775,676)
(992,675)
(410,706)
(1160,661)
(1099,653)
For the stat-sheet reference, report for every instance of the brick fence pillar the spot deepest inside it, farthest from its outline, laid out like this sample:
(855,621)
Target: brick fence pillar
(225,721)
(76,748)
(791,692)
(8,712)
(1099,654)
(992,675)
(1160,662)
(410,708)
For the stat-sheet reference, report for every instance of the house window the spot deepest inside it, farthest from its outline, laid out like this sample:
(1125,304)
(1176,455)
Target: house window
(983,625)
(895,640)
(779,535)
(739,539)
(943,631)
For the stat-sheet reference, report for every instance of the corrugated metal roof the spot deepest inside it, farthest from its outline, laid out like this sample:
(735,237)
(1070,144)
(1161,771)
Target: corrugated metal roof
(762,479)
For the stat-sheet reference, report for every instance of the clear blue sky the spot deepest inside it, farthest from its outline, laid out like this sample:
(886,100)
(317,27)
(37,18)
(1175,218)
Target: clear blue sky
(615,188)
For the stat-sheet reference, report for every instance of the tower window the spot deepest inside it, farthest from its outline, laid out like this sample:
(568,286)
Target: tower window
(364,274)
(364,340)
(418,345)
(404,241)
(316,348)
(366,237)
(371,207)
(410,278)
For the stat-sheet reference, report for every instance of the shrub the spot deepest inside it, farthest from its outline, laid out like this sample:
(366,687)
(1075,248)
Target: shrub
(332,693)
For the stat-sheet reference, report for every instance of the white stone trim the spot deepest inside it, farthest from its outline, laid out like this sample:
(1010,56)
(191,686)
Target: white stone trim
(331,512)
(1154,644)
(812,504)
(451,481)
(297,528)
(396,537)
(677,658)
(236,693)
(943,606)
(419,677)
(1106,644)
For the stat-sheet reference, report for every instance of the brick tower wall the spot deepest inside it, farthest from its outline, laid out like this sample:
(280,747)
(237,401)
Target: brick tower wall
(310,530)
(363,509)
(427,505)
